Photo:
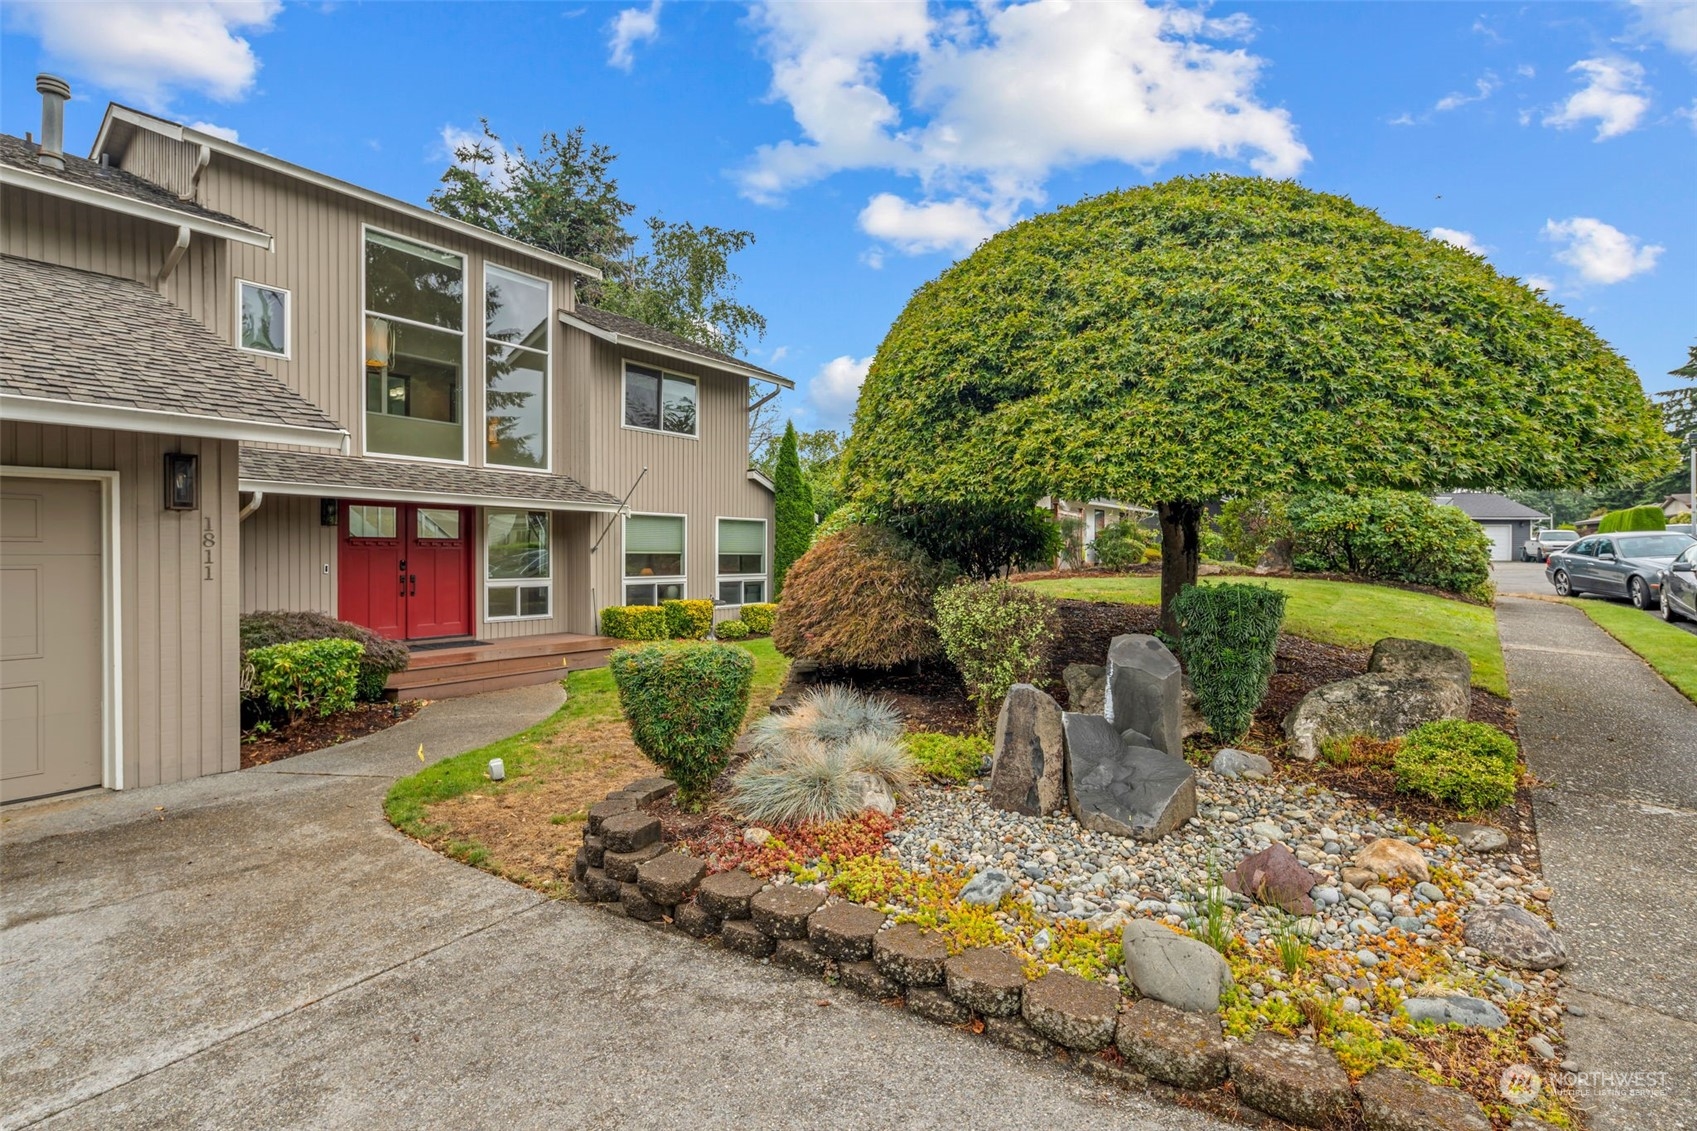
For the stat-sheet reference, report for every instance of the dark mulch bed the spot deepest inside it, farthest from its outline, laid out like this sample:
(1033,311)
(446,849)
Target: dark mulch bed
(930,695)
(315,734)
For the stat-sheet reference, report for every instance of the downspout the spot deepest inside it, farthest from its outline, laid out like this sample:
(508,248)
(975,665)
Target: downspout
(251,506)
(172,258)
(201,161)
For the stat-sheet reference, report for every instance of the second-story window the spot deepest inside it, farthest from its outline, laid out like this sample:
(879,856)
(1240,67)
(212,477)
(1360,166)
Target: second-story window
(414,349)
(515,368)
(264,318)
(659,402)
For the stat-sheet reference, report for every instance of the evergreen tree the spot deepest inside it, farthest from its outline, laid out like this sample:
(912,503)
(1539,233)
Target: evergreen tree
(793,505)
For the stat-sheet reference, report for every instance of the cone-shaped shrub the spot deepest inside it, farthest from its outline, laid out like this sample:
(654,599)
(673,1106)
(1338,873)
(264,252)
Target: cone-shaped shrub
(1230,633)
(684,703)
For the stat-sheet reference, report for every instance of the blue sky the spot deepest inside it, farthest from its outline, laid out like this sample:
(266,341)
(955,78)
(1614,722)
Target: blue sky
(869,145)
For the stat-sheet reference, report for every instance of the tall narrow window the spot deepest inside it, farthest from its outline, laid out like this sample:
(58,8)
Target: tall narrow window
(654,558)
(515,369)
(742,561)
(659,402)
(414,349)
(519,565)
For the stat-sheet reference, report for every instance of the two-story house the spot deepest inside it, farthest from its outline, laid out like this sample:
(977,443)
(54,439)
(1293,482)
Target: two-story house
(231,383)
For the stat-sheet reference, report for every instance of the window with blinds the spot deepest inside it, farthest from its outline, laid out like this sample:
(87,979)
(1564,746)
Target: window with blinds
(654,558)
(742,561)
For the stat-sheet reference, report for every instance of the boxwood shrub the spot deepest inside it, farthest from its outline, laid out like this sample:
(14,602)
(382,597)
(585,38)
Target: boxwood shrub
(634,622)
(307,677)
(382,658)
(759,618)
(731,630)
(688,620)
(1229,633)
(1472,766)
(685,703)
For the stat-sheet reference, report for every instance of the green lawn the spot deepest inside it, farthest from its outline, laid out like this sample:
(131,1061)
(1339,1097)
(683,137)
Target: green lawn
(593,700)
(1671,651)
(1338,612)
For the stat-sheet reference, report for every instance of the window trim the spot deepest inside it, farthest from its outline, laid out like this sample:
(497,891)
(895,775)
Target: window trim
(765,554)
(514,583)
(547,467)
(625,581)
(624,377)
(465,360)
(288,320)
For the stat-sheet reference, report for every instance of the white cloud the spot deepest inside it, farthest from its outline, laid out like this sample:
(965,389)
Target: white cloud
(835,389)
(1613,96)
(1463,240)
(1599,252)
(1483,88)
(1673,22)
(631,27)
(455,139)
(997,97)
(779,354)
(1540,283)
(145,51)
(215,130)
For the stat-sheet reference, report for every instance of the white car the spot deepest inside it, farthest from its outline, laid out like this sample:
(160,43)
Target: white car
(1543,543)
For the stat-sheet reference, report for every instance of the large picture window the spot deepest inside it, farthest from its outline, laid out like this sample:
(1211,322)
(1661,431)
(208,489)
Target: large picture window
(414,349)
(518,565)
(742,561)
(659,402)
(515,369)
(654,558)
(264,314)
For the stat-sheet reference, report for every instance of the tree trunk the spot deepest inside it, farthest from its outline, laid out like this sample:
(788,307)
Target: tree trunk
(1181,552)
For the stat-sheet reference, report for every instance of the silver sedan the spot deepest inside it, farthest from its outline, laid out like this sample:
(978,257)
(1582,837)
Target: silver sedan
(1679,587)
(1627,565)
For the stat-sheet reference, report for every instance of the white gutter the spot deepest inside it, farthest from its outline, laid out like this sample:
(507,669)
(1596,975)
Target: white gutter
(252,505)
(390,494)
(81,414)
(625,341)
(178,132)
(49,185)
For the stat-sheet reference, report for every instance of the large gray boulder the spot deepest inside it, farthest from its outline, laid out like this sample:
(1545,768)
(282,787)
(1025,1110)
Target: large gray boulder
(1422,659)
(1382,706)
(1515,937)
(1146,691)
(1134,791)
(1174,968)
(1029,773)
(1087,686)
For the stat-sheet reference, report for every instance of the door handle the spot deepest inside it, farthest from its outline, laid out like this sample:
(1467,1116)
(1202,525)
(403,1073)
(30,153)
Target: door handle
(413,577)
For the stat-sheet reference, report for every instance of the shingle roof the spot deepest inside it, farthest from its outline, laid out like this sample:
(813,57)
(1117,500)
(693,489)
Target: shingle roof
(20,154)
(82,338)
(1483,504)
(351,475)
(641,331)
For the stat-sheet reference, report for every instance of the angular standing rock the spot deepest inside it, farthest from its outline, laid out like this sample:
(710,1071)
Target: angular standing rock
(1028,775)
(1145,691)
(1071,1011)
(987,980)
(1133,791)
(1181,971)
(1395,1100)
(1298,1082)
(1183,1049)
(1422,659)
(1515,937)
(1380,706)
(1087,685)
(1275,876)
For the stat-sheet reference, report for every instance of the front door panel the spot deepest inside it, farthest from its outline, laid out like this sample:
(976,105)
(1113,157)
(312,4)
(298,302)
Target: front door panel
(405,570)
(438,572)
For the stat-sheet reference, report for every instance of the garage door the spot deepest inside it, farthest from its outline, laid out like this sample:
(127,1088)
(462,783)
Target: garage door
(1502,541)
(50,637)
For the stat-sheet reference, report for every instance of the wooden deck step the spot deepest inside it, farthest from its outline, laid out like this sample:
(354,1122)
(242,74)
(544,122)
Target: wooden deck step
(443,673)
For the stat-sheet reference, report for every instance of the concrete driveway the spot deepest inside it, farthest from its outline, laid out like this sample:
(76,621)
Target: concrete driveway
(262,950)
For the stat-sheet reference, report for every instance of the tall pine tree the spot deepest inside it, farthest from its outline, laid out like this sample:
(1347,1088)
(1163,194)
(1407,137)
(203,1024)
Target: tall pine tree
(793,503)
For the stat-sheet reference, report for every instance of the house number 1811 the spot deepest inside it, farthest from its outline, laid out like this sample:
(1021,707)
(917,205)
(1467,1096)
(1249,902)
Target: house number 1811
(208,540)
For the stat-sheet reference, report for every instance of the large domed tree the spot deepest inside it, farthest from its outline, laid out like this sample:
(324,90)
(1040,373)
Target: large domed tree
(1218,337)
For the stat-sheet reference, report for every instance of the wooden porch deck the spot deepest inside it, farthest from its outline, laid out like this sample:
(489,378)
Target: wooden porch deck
(444,672)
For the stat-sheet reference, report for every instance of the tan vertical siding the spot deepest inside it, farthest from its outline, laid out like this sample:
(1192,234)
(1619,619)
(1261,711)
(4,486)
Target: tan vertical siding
(284,551)
(179,647)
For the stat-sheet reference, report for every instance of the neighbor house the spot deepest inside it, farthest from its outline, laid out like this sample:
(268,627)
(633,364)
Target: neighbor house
(1506,523)
(1092,517)
(1677,508)
(231,383)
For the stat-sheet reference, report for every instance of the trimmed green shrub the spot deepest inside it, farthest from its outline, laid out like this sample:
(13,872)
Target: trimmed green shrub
(951,757)
(685,703)
(688,620)
(1229,633)
(1249,526)
(860,598)
(634,622)
(1121,545)
(980,540)
(307,677)
(996,635)
(731,630)
(1633,518)
(382,658)
(1472,766)
(759,618)
(833,715)
(1391,536)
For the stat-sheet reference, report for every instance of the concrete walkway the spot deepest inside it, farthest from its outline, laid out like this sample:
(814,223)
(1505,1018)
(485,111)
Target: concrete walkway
(1617,826)
(262,950)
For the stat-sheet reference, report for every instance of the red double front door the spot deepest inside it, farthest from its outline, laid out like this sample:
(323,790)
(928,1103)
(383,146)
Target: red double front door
(405,569)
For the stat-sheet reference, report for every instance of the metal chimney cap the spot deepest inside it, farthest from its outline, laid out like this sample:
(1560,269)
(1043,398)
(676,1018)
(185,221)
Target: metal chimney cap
(52,84)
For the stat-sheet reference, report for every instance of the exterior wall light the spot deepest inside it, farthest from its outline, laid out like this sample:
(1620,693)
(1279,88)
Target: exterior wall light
(182,481)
